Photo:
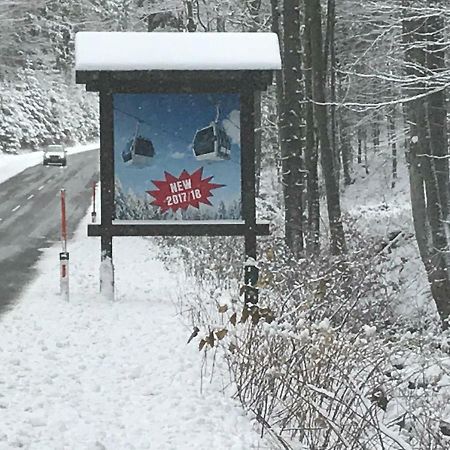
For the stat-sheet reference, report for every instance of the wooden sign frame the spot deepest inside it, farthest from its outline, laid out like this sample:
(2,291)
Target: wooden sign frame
(248,84)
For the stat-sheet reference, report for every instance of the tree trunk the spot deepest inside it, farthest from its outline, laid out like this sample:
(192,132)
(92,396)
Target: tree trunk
(311,152)
(346,150)
(289,124)
(428,163)
(365,145)
(437,114)
(359,145)
(330,49)
(436,171)
(392,134)
(190,22)
(313,14)
(345,145)
(376,133)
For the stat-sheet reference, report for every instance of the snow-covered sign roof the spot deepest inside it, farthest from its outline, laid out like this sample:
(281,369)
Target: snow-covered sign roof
(124,51)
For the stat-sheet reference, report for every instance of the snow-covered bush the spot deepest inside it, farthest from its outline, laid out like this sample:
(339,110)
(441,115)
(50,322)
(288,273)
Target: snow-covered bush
(323,360)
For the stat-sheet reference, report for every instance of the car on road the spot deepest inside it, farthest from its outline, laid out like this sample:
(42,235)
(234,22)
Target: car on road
(55,155)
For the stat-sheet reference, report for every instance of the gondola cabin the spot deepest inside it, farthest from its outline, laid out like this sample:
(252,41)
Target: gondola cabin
(139,152)
(212,143)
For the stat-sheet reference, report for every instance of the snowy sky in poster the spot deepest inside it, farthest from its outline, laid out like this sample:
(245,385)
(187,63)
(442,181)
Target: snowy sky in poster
(170,121)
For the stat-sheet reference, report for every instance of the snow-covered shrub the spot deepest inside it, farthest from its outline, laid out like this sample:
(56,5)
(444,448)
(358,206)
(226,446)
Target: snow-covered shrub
(322,360)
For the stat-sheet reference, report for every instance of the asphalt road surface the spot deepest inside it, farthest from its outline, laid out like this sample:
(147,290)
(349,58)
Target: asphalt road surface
(30,216)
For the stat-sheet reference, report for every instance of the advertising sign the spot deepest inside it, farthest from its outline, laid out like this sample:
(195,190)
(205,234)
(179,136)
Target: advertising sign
(177,156)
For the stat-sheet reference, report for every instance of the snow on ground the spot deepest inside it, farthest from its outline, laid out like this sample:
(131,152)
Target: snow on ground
(94,374)
(11,165)
(378,207)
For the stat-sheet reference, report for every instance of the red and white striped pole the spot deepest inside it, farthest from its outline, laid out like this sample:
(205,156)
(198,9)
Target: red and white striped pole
(64,255)
(94,213)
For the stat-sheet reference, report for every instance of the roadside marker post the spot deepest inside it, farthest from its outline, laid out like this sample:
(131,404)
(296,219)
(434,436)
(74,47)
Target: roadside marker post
(64,254)
(94,213)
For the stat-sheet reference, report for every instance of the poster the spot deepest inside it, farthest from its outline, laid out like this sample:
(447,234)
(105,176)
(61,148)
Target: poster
(177,157)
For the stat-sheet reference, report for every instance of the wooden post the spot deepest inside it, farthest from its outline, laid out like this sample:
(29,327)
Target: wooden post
(249,190)
(107,189)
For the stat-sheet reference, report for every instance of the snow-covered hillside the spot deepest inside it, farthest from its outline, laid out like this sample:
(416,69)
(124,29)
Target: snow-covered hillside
(38,108)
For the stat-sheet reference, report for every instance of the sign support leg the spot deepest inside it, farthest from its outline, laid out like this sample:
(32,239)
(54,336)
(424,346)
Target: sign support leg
(106,268)
(248,178)
(107,190)
(251,271)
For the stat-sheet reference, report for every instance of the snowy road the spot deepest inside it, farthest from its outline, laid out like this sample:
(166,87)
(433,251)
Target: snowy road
(30,216)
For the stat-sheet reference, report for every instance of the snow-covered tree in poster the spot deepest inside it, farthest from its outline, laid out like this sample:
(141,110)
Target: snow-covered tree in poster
(177,156)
